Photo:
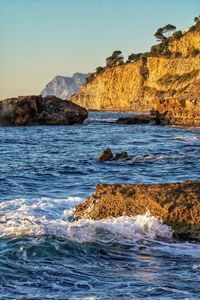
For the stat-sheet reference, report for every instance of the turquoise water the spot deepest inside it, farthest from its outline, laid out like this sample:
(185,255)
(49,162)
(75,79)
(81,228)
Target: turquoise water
(46,171)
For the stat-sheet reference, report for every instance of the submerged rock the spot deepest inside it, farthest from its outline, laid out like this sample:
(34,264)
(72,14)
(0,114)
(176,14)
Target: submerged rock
(177,204)
(36,110)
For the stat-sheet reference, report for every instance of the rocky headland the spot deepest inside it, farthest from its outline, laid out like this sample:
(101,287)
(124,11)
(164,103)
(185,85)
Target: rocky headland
(167,80)
(36,110)
(177,204)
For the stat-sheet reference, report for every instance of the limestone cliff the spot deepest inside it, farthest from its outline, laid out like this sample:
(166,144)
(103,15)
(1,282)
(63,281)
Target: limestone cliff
(168,83)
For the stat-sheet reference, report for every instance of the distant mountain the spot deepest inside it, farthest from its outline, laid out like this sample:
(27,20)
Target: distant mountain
(63,87)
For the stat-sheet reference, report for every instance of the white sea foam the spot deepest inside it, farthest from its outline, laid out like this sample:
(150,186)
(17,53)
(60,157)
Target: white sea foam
(163,157)
(45,216)
(191,139)
(94,121)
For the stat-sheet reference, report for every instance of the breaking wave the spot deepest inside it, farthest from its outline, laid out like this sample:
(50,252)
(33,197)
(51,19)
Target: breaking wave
(22,217)
(45,251)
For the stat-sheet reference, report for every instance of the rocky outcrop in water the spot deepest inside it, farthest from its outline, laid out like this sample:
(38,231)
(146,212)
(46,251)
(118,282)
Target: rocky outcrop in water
(177,204)
(166,83)
(137,119)
(64,87)
(106,154)
(36,110)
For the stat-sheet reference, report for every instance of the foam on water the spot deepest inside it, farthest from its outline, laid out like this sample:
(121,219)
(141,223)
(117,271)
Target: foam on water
(52,217)
(96,121)
(22,217)
(192,139)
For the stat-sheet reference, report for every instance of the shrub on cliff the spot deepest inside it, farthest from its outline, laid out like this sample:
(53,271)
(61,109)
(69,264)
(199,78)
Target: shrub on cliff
(196,27)
(114,59)
(197,19)
(177,35)
(166,30)
(99,70)
(90,78)
(158,49)
(159,35)
(163,35)
(133,57)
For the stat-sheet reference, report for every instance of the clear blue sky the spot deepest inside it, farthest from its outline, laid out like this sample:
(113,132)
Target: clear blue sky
(40,39)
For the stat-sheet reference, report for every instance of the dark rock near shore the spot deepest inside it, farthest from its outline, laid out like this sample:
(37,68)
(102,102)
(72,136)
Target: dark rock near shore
(36,110)
(137,119)
(177,204)
(153,118)
(106,154)
(121,156)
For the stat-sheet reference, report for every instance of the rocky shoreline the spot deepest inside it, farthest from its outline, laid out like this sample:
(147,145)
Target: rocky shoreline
(177,204)
(168,83)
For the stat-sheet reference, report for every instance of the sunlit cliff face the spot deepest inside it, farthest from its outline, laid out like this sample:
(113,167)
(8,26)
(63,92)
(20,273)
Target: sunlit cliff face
(167,83)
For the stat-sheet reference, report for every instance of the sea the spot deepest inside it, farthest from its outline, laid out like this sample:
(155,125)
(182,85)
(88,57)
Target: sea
(45,171)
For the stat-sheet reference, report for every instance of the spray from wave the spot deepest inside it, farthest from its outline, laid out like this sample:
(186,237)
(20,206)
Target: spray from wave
(22,217)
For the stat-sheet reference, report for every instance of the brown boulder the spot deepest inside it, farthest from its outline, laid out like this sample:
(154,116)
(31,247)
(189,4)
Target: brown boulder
(177,204)
(106,154)
(36,110)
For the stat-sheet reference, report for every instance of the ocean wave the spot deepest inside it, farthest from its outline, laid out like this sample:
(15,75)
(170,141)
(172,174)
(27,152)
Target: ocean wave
(54,217)
(45,217)
(176,249)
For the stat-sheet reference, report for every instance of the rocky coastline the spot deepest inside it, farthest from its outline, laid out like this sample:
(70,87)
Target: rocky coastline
(167,82)
(177,204)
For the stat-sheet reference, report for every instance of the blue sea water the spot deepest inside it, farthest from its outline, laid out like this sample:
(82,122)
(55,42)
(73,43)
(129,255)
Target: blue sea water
(47,170)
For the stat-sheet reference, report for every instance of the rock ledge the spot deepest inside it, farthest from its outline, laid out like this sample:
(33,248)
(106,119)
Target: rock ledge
(177,204)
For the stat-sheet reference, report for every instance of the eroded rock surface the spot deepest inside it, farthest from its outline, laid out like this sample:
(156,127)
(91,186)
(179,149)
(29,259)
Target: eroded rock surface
(177,204)
(36,110)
